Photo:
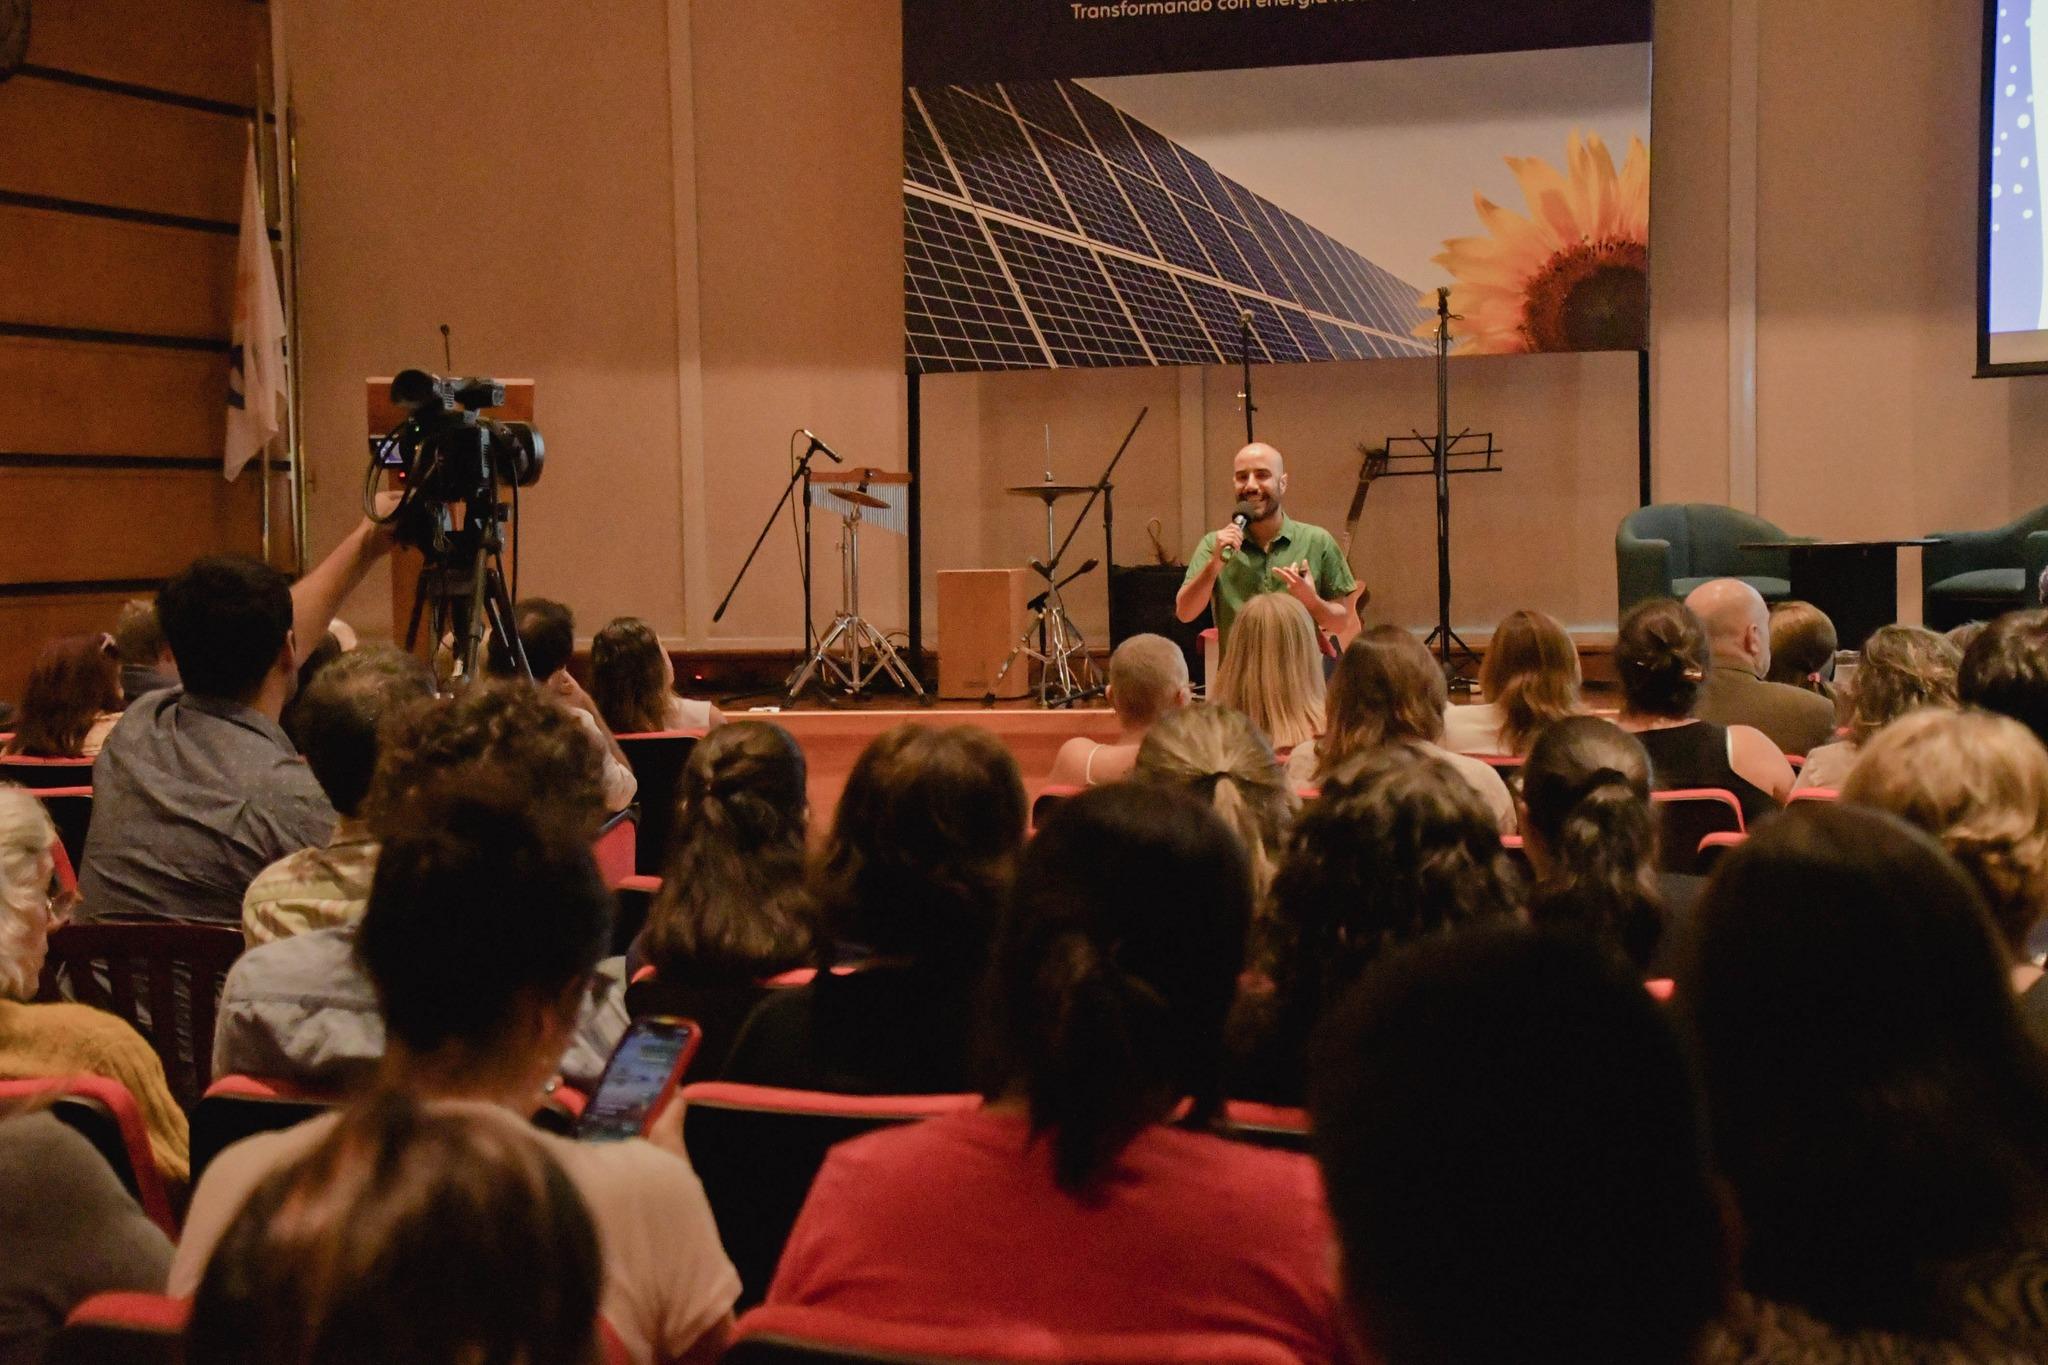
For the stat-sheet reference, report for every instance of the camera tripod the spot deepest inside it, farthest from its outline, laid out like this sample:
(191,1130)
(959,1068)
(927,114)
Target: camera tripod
(464,581)
(852,653)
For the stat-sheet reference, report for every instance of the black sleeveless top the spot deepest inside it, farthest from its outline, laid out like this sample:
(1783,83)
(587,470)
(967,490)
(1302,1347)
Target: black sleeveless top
(1696,755)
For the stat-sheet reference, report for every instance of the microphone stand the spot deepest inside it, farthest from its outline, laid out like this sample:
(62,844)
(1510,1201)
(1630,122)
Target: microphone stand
(1440,466)
(800,474)
(1244,361)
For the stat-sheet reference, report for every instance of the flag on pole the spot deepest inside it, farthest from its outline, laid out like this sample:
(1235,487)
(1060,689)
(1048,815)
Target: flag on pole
(256,380)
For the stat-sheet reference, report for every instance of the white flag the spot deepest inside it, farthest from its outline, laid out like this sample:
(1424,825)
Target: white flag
(256,379)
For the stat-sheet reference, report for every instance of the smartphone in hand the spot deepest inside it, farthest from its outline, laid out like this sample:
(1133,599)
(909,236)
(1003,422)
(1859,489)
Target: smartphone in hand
(643,1072)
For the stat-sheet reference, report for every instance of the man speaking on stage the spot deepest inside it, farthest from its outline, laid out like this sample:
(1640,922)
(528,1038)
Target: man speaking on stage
(1264,550)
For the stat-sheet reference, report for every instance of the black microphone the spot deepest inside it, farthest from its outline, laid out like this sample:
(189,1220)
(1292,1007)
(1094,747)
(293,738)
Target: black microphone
(1241,518)
(817,444)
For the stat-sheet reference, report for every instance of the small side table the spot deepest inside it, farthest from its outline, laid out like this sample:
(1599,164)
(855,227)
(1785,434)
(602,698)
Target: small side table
(1856,582)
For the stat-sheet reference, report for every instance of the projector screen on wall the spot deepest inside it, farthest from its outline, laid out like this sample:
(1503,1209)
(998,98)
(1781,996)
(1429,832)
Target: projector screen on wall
(2012,283)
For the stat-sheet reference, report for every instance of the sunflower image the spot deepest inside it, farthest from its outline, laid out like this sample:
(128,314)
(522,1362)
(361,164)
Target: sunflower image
(1571,276)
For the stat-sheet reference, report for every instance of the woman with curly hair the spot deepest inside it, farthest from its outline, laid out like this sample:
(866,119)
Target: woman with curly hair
(1530,677)
(1397,848)
(1903,669)
(72,699)
(632,680)
(1978,783)
(922,850)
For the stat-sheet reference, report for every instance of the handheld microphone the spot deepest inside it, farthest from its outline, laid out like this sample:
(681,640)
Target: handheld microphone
(812,437)
(1241,518)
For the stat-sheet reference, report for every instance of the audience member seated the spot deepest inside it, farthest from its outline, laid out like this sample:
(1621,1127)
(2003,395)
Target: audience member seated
(1511,1141)
(633,681)
(1964,635)
(62,1039)
(733,908)
(1530,677)
(146,662)
(335,724)
(1084,1197)
(302,1008)
(1220,756)
(1803,644)
(1879,1114)
(1398,847)
(338,640)
(1738,627)
(1660,654)
(1591,838)
(1273,671)
(2005,669)
(70,1231)
(1148,676)
(922,850)
(407,1234)
(71,702)
(1978,783)
(486,918)
(1386,689)
(198,789)
(1902,669)
(547,631)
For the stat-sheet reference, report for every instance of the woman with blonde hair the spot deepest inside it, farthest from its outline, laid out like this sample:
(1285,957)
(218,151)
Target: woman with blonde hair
(1530,677)
(1903,668)
(62,1039)
(1220,756)
(1387,689)
(1978,783)
(1273,671)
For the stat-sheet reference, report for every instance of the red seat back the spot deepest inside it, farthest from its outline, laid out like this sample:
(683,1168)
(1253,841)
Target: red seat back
(235,1107)
(1816,794)
(1048,800)
(791,1334)
(657,759)
(615,845)
(757,1148)
(1266,1125)
(1688,815)
(123,1328)
(103,1112)
(46,772)
(163,977)
(70,810)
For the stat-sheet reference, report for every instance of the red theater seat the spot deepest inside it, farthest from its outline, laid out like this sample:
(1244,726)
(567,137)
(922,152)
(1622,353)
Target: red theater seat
(657,759)
(235,1107)
(787,1334)
(1688,815)
(46,772)
(106,1115)
(124,1328)
(70,810)
(1048,800)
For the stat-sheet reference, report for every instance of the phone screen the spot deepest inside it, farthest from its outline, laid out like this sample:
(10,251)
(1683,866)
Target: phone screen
(642,1070)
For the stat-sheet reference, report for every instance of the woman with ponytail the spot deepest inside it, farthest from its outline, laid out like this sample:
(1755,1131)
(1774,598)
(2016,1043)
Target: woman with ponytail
(1085,1197)
(732,909)
(1222,758)
(1591,837)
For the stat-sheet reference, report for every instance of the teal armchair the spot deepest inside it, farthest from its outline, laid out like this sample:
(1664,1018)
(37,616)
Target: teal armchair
(1976,575)
(1668,549)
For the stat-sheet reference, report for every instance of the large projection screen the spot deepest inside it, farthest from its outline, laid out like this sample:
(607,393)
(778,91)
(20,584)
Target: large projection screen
(2012,243)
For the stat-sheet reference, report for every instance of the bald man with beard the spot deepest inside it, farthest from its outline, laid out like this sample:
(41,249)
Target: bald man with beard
(1275,553)
(1738,626)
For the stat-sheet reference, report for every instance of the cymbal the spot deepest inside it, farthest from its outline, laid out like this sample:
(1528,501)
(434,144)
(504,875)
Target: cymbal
(856,497)
(1048,491)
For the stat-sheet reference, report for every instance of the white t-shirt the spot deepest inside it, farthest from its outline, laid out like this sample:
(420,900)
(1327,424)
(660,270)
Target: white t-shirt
(1473,729)
(666,1277)
(683,713)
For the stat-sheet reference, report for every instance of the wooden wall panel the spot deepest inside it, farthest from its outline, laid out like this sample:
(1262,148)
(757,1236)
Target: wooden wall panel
(68,525)
(72,143)
(26,622)
(67,271)
(81,398)
(206,48)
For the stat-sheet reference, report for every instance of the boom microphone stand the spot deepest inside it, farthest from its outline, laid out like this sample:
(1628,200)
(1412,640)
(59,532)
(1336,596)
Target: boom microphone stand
(1440,466)
(800,474)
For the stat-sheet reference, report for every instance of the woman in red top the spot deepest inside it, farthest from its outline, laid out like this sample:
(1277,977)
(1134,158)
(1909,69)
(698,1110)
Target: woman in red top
(1086,1196)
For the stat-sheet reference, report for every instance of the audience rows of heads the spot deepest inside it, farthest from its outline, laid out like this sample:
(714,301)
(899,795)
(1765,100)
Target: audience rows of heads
(1831,1143)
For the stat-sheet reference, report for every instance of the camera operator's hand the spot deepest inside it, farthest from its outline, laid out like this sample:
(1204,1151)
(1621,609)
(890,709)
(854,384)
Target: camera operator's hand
(382,530)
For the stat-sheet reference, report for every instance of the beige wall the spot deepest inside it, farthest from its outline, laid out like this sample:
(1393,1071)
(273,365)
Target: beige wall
(681,217)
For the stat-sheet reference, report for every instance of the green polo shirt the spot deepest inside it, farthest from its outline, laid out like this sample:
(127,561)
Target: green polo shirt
(1249,572)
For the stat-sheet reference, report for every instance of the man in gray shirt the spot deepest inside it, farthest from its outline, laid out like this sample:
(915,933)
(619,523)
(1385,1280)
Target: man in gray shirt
(198,789)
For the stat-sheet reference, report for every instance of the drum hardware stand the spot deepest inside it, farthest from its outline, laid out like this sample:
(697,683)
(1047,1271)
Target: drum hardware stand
(1066,673)
(852,653)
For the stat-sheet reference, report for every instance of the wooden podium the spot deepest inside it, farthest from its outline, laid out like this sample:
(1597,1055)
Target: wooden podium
(981,616)
(384,415)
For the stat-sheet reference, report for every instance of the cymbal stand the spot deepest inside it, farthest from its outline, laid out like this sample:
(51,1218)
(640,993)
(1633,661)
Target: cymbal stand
(852,653)
(1066,673)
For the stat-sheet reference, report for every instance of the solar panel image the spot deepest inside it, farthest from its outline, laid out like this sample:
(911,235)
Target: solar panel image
(1045,227)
